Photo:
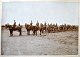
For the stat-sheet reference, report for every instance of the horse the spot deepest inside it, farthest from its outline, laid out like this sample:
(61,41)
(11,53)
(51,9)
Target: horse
(65,27)
(41,28)
(35,29)
(69,28)
(2,27)
(61,28)
(28,28)
(75,28)
(50,28)
(17,28)
(31,27)
(7,26)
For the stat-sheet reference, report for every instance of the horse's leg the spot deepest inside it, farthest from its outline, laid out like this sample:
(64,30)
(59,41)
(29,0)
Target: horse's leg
(20,32)
(27,32)
(11,33)
(40,32)
(36,33)
(45,30)
(33,32)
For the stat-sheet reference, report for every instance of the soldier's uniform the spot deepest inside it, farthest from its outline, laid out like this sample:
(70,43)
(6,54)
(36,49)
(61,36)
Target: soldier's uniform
(14,25)
(31,23)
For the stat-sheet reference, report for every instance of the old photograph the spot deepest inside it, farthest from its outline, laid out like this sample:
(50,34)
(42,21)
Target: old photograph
(39,28)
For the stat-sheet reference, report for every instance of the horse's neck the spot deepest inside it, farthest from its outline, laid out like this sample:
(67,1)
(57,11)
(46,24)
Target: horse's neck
(37,25)
(14,25)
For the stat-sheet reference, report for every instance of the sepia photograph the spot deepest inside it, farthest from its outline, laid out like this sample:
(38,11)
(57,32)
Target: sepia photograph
(39,28)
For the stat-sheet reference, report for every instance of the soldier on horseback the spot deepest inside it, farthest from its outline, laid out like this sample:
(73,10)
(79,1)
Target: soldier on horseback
(45,24)
(31,27)
(19,24)
(15,28)
(45,28)
(37,24)
(31,23)
(14,25)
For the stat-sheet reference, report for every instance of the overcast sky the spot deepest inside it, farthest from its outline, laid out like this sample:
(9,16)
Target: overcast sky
(50,12)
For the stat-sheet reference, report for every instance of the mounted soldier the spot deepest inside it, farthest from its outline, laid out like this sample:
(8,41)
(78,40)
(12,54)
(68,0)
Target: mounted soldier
(15,28)
(56,28)
(14,25)
(31,23)
(19,24)
(37,24)
(45,28)
(45,24)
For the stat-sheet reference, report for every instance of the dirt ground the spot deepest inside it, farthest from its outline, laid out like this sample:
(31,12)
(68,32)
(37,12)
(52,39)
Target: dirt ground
(61,43)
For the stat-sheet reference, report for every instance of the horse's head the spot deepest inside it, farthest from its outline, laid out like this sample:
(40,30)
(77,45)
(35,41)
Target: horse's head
(10,27)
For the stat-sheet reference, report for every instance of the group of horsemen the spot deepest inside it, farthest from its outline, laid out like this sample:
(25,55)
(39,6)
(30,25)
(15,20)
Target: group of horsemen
(45,27)
(53,27)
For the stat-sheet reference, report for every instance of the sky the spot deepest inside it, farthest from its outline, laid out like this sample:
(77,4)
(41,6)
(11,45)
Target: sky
(49,12)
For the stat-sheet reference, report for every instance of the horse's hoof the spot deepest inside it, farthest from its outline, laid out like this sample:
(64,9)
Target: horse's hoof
(19,35)
(10,36)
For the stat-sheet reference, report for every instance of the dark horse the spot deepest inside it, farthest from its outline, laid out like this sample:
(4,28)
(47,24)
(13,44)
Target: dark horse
(17,28)
(35,29)
(31,27)
(28,28)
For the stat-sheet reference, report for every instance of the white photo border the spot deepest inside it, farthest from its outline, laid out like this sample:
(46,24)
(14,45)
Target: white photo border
(64,1)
